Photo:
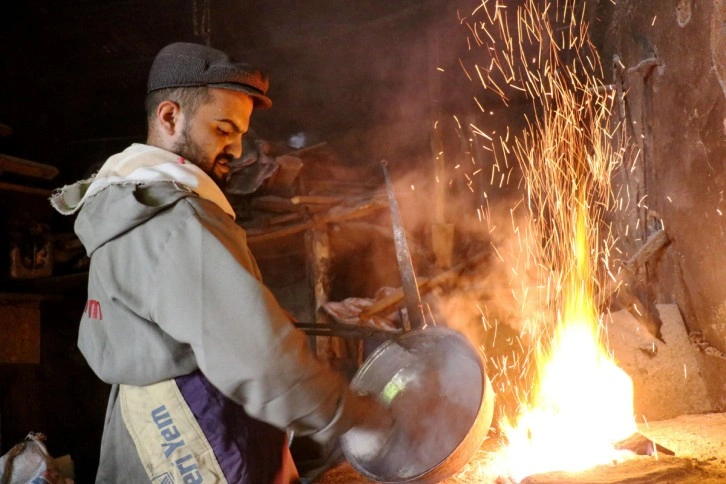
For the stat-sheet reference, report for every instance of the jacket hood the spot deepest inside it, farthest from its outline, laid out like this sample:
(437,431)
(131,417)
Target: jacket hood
(131,187)
(119,208)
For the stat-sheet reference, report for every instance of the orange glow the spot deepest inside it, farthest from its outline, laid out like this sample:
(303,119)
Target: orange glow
(583,402)
(580,404)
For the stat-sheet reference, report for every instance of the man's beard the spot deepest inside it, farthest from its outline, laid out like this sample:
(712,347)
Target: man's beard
(190,150)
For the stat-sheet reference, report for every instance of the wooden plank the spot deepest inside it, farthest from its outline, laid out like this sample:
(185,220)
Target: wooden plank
(335,215)
(258,236)
(316,200)
(12,187)
(387,304)
(13,164)
(341,214)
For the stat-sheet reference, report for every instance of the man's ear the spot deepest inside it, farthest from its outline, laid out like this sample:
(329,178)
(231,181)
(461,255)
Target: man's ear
(169,116)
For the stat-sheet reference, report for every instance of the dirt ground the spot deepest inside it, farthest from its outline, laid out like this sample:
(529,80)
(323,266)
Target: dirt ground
(699,443)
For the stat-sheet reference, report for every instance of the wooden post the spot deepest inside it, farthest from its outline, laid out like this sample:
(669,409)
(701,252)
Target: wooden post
(317,246)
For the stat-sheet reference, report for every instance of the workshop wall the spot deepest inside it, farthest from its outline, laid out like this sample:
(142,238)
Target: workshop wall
(672,64)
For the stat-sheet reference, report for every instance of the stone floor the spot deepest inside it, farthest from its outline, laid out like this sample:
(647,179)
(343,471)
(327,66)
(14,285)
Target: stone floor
(699,443)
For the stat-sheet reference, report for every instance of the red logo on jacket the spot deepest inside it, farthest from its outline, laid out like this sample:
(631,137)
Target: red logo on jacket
(93,309)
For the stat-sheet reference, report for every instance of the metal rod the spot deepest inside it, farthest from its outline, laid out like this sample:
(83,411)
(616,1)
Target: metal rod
(411,296)
(345,331)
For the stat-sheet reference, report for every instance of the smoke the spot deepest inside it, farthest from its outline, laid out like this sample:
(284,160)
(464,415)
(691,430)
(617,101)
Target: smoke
(396,90)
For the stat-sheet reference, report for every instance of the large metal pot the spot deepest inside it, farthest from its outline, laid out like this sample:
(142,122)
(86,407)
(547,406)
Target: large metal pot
(435,384)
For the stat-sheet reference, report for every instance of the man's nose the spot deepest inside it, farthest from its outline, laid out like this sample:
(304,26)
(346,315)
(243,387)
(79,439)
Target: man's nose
(235,147)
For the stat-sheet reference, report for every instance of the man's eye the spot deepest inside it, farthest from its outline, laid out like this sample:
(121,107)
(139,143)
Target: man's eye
(222,132)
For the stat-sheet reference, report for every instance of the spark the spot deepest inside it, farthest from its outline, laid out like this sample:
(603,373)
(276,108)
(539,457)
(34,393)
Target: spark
(479,132)
(464,69)
(566,155)
(481,108)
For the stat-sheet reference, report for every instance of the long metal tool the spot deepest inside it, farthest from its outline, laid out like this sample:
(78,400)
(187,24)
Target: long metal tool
(352,331)
(411,296)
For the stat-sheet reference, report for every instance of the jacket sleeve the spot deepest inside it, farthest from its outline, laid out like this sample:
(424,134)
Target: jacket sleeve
(208,296)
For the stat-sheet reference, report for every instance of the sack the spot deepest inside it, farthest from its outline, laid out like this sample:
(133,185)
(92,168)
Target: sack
(29,462)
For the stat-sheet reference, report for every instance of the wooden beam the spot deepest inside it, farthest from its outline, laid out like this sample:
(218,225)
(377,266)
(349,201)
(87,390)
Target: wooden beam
(12,187)
(335,215)
(316,200)
(13,164)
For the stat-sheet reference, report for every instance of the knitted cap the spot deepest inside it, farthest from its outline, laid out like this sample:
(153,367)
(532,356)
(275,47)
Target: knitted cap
(183,64)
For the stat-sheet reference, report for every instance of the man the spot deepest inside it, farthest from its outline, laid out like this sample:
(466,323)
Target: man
(207,370)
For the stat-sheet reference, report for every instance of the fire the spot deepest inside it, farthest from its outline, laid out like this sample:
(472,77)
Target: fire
(580,403)
(583,402)
(584,406)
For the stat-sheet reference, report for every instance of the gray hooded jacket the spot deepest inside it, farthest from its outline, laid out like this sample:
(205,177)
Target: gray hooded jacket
(173,289)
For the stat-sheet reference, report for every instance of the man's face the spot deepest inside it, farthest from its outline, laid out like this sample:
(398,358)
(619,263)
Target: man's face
(212,137)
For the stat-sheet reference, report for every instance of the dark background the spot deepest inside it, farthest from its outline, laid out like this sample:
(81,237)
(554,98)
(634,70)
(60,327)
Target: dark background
(361,75)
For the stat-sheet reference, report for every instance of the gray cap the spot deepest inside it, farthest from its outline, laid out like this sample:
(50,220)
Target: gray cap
(183,64)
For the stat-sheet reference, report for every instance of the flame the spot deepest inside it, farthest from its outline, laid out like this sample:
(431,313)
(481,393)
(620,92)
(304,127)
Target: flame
(583,402)
(580,403)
